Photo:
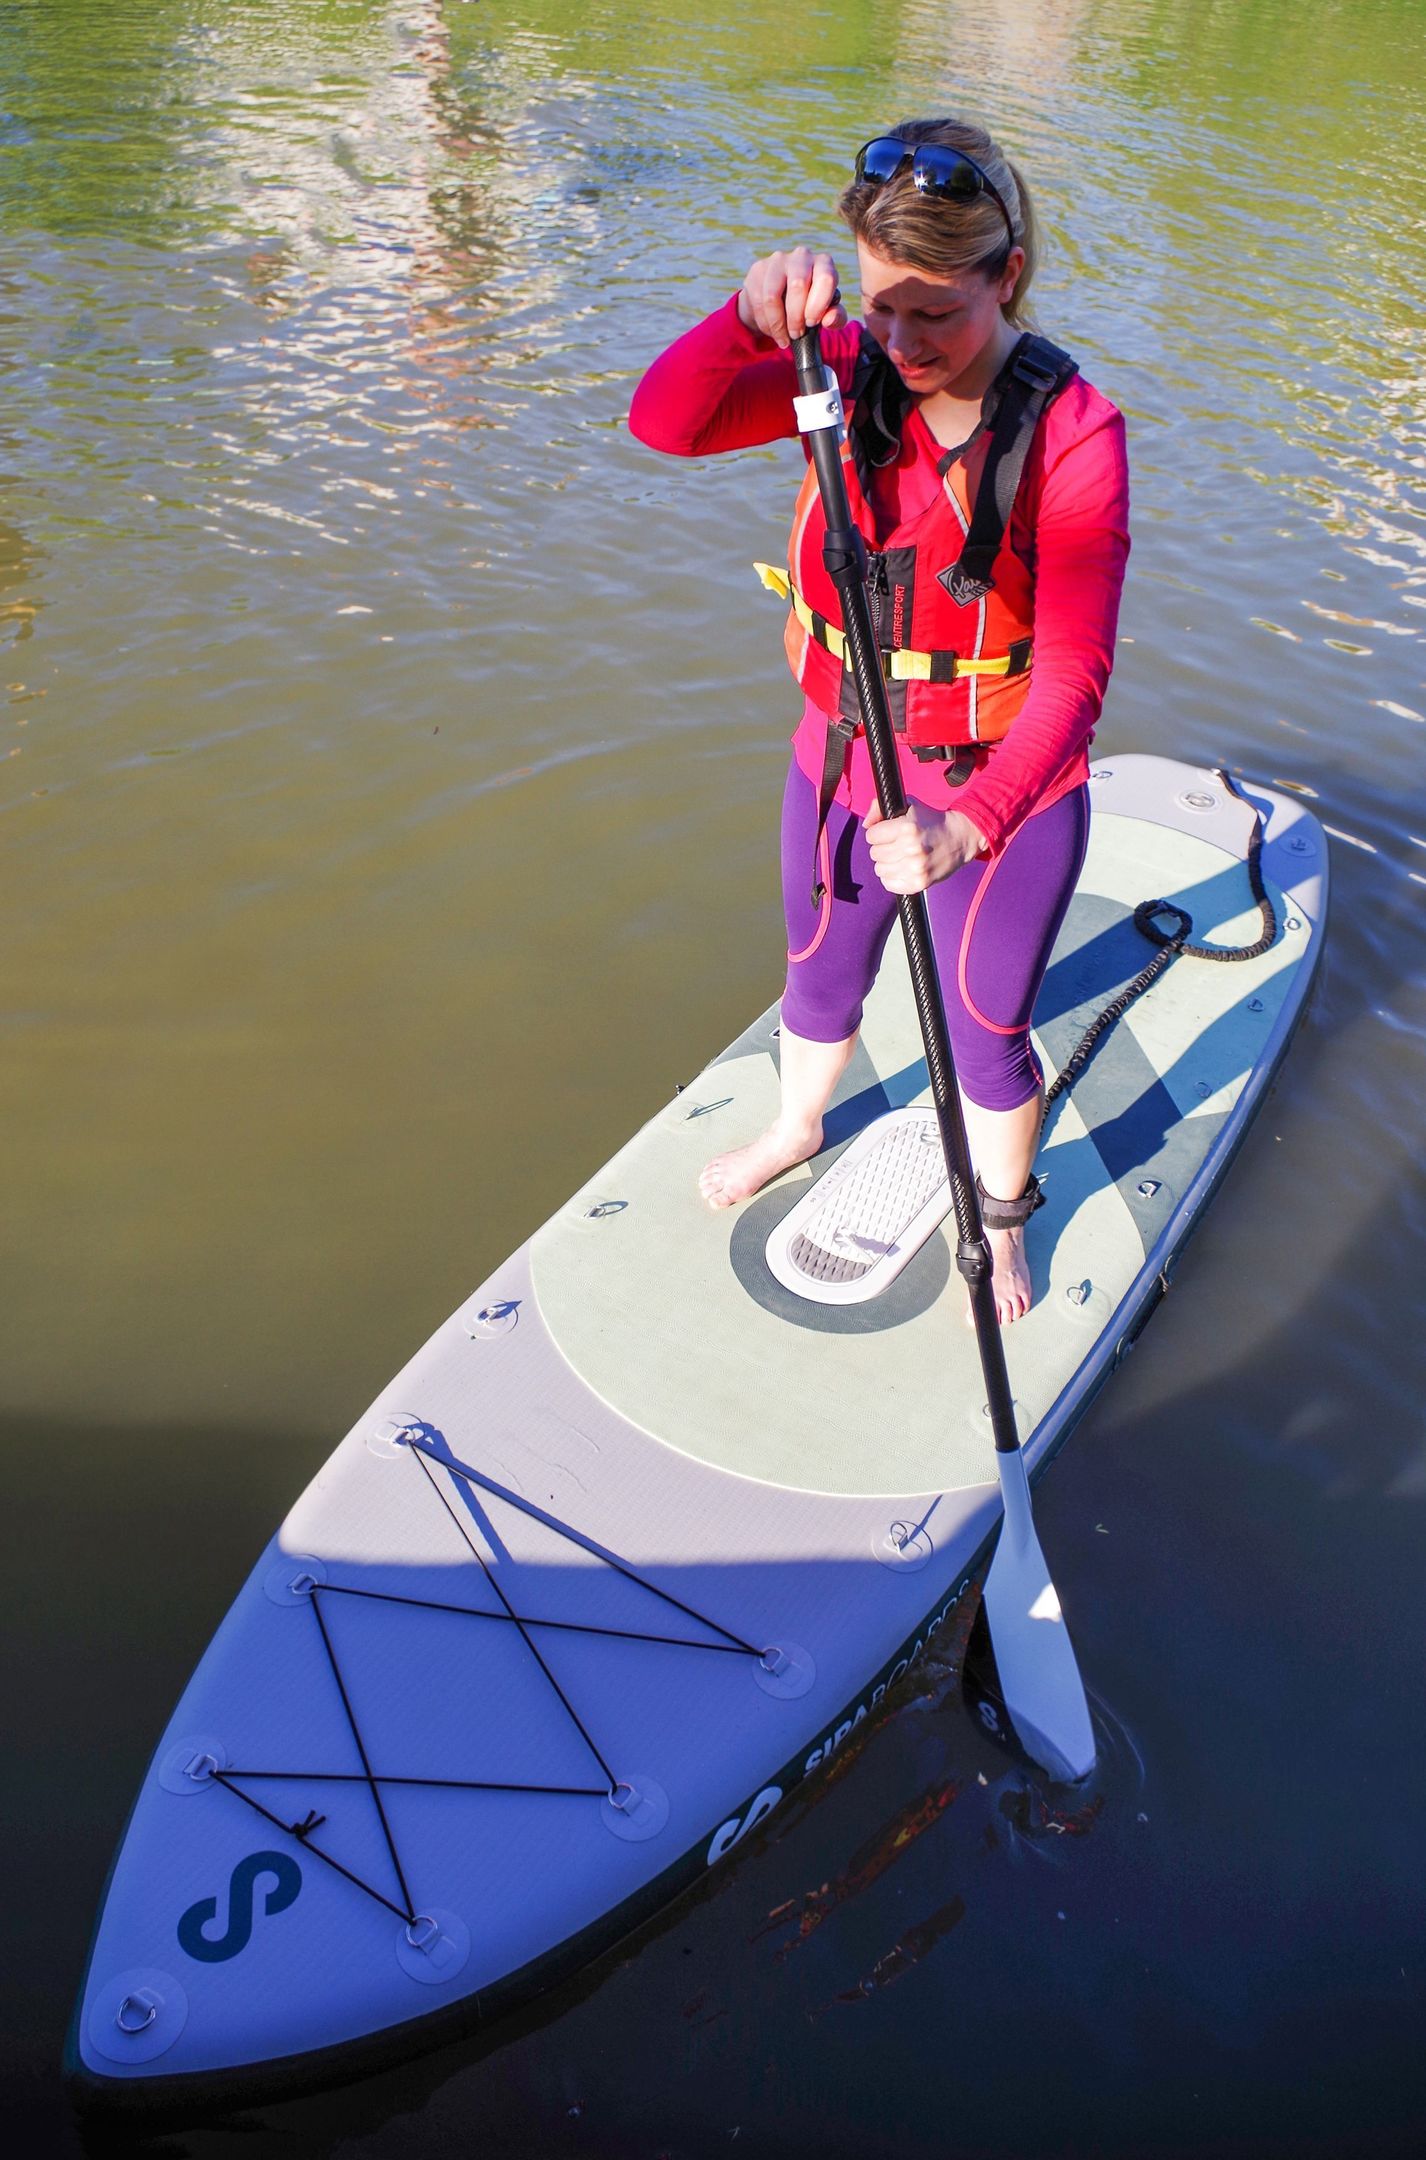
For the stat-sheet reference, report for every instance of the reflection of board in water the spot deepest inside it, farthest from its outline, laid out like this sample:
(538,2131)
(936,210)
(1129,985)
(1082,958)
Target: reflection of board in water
(633,1546)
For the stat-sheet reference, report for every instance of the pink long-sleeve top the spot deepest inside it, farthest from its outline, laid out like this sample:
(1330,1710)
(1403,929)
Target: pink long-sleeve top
(722,386)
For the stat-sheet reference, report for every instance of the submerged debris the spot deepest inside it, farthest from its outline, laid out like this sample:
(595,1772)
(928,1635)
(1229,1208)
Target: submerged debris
(871,1861)
(906,1951)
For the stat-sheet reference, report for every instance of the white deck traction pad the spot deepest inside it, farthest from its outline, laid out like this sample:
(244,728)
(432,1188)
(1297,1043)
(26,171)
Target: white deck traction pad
(873,1211)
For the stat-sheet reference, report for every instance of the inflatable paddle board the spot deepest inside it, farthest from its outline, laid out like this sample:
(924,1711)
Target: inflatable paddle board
(656,1519)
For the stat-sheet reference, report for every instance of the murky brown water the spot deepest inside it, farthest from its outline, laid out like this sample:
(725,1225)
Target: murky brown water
(389,778)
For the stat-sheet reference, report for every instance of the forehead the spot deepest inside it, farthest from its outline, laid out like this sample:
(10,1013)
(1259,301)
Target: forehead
(898,285)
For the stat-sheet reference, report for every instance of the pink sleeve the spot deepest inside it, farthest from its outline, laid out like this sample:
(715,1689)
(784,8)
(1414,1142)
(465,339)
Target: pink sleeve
(722,386)
(1081,529)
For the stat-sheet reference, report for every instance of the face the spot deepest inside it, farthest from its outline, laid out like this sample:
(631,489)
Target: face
(940,334)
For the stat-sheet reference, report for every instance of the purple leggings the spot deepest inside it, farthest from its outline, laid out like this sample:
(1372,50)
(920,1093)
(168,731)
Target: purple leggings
(992,924)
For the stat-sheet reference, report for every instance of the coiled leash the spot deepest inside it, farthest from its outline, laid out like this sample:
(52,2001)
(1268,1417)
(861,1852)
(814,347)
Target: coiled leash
(1171,943)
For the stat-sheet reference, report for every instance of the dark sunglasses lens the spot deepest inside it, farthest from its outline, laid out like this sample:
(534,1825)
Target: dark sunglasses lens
(939,171)
(882,159)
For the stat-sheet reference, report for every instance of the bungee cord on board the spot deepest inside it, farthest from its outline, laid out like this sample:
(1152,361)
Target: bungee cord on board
(428,1446)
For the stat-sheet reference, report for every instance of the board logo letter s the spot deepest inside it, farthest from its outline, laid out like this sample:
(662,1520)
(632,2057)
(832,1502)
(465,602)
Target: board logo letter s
(214,1950)
(738,1826)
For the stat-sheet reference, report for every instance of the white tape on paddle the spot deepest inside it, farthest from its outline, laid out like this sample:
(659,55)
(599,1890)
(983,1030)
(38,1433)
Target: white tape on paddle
(823,409)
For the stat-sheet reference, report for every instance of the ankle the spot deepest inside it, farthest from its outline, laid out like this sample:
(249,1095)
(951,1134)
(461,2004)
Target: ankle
(797,1126)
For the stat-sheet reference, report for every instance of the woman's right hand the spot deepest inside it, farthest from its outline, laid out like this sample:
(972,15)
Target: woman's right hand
(786,292)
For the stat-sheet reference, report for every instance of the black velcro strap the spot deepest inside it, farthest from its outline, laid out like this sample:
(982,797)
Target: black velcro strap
(1009,1214)
(1019,655)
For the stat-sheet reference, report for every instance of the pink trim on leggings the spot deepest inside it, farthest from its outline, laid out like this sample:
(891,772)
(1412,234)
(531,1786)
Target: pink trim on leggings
(992,1027)
(824,874)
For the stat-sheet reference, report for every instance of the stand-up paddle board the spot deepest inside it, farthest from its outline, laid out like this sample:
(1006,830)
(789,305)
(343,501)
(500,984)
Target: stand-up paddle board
(656,1519)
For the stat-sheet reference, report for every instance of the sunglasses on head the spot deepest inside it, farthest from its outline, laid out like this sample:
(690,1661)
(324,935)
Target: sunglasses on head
(936,170)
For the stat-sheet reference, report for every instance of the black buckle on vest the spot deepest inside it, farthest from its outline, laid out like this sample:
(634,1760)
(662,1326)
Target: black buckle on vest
(958,759)
(1039,374)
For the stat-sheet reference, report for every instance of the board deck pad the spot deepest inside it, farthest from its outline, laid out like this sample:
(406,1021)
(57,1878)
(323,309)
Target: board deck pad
(866,1217)
(646,1529)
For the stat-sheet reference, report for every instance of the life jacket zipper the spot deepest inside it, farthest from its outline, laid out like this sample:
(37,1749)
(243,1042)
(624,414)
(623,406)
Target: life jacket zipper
(879,592)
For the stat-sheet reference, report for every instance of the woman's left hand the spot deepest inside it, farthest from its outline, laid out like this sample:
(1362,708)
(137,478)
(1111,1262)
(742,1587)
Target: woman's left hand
(911,852)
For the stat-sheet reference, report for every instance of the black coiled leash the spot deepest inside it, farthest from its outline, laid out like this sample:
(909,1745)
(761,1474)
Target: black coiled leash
(1171,943)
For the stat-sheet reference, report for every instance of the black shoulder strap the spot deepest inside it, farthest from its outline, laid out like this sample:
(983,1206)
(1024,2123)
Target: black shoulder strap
(1034,374)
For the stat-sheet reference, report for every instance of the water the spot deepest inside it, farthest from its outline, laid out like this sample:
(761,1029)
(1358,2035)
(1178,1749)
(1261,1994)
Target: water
(389,773)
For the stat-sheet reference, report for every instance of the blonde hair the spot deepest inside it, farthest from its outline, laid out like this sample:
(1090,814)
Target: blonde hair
(937,234)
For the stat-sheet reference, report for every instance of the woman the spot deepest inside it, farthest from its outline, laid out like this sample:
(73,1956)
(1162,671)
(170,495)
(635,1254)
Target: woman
(996,612)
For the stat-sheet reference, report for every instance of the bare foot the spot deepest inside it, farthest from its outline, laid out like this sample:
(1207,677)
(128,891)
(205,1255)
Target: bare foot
(732,1177)
(1009,1277)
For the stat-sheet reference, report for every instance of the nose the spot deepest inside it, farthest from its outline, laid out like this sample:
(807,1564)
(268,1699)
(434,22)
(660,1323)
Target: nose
(900,342)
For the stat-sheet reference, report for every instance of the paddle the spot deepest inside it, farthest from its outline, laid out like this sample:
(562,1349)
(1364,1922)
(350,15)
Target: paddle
(1039,1678)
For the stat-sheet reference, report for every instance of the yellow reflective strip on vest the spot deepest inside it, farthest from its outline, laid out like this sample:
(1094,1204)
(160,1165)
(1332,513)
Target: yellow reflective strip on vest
(912,666)
(902,665)
(826,633)
(916,666)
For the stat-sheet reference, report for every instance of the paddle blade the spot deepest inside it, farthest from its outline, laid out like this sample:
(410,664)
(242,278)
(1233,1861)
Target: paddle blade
(1039,1677)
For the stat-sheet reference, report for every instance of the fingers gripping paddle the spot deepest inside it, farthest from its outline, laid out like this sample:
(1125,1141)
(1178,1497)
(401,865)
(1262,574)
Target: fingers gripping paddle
(1039,1678)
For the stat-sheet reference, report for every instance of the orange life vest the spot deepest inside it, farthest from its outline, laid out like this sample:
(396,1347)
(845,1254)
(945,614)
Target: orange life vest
(952,603)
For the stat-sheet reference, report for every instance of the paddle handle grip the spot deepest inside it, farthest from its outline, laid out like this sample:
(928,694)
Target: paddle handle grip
(844,554)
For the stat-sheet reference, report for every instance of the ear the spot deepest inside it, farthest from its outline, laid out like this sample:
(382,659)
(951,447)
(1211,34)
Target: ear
(1010,276)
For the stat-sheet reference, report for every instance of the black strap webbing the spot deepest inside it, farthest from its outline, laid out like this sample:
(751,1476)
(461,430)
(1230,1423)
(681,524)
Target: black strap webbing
(878,403)
(1035,372)
(834,764)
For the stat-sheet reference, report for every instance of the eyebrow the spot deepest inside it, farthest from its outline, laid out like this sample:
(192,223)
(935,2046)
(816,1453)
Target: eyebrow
(875,299)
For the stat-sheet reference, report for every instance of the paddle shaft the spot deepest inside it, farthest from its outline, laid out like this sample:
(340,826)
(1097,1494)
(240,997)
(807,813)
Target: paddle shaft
(844,553)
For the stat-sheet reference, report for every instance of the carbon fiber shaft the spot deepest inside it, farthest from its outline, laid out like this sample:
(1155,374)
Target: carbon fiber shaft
(844,553)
